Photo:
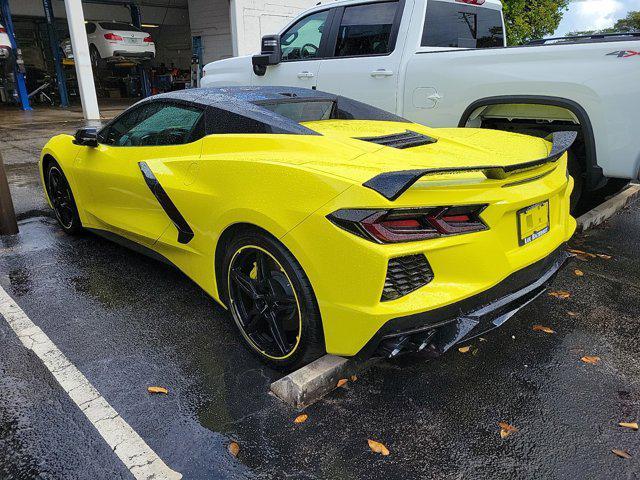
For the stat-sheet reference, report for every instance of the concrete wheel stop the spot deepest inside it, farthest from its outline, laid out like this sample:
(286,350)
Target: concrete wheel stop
(312,382)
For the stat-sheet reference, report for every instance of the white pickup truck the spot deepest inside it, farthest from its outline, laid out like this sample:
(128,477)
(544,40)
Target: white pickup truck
(444,63)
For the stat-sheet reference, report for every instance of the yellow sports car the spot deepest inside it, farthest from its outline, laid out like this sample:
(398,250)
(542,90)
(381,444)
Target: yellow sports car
(323,224)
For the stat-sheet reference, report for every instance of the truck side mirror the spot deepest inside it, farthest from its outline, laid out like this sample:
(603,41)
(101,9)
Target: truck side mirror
(87,137)
(270,54)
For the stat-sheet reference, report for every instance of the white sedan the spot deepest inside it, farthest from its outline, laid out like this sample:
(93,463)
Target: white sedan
(113,41)
(5,43)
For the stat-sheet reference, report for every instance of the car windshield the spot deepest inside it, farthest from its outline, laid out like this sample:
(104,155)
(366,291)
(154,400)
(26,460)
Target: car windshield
(302,111)
(119,26)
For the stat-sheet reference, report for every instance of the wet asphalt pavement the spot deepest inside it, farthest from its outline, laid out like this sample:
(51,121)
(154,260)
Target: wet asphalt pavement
(128,322)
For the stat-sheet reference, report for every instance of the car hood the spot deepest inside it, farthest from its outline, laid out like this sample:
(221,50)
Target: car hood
(451,148)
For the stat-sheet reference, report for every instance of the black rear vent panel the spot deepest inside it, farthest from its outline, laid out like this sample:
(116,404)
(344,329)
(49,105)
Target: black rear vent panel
(407,139)
(406,275)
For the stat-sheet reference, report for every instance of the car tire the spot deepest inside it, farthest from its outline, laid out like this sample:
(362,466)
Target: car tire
(62,199)
(283,290)
(96,60)
(577,172)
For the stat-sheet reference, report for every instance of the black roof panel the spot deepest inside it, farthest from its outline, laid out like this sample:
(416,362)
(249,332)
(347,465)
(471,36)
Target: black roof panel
(245,101)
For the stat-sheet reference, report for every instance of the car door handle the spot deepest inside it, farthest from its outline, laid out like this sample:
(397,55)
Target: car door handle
(305,74)
(381,72)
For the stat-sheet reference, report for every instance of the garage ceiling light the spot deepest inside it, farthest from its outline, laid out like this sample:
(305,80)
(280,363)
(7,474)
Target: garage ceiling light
(149,25)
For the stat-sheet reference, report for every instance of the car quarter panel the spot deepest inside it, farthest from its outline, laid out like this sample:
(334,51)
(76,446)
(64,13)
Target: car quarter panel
(255,179)
(348,272)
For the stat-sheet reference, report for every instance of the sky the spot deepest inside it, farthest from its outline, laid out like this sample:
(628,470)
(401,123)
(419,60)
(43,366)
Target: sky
(594,14)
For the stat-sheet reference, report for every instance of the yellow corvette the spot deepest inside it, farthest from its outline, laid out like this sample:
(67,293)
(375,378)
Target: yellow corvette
(323,224)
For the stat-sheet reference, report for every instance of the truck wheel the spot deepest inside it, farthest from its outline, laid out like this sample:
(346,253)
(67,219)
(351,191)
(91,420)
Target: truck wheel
(577,172)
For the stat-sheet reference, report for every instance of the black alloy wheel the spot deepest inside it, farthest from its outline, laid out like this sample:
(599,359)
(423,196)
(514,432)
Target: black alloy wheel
(61,197)
(264,304)
(271,301)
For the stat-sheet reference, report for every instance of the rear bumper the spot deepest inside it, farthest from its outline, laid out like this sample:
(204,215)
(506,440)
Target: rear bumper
(123,54)
(445,327)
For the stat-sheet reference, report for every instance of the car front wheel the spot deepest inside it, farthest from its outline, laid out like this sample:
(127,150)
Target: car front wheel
(61,197)
(271,301)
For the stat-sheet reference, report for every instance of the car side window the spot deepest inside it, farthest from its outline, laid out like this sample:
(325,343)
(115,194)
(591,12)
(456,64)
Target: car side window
(156,124)
(366,30)
(90,28)
(302,40)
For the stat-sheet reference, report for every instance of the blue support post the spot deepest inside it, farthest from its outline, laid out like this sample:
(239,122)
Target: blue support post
(55,50)
(23,95)
(136,20)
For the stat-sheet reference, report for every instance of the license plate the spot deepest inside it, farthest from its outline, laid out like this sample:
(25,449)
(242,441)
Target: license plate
(533,222)
(131,41)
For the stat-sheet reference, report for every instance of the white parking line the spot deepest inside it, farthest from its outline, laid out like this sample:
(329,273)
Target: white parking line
(136,455)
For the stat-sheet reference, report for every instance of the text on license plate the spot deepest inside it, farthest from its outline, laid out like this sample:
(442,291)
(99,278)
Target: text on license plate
(533,222)
(131,41)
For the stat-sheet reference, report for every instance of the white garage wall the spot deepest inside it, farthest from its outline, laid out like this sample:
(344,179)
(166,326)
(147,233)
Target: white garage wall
(209,19)
(255,18)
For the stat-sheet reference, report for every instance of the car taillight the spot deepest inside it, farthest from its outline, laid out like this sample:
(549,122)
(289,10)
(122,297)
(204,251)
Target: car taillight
(3,30)
(410,224)
(472,2)
(113,37)
(148,40)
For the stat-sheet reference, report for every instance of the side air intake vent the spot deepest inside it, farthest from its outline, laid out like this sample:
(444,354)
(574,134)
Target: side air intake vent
(407,139)
(405,275)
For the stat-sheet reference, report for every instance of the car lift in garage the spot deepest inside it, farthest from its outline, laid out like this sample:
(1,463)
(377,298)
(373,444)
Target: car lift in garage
(82,61)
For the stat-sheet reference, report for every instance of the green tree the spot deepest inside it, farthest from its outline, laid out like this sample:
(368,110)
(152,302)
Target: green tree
(529,19)
(630,23)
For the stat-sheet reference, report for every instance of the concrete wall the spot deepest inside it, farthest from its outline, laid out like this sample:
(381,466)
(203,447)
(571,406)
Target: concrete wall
(209,19)
(255,18)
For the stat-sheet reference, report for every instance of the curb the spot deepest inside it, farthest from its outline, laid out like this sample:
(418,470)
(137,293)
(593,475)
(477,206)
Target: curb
(312,382)
(607,209)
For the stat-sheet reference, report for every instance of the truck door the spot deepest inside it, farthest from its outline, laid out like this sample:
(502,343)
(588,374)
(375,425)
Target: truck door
(363,59)
(301,44)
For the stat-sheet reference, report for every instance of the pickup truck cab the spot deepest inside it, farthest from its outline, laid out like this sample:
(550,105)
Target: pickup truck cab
(444,63)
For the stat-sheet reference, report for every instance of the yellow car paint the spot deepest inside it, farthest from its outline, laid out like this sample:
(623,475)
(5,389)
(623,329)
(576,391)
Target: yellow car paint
(288,184)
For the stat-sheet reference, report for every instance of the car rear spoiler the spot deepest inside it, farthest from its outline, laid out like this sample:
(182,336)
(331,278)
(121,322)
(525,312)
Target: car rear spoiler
(393,184)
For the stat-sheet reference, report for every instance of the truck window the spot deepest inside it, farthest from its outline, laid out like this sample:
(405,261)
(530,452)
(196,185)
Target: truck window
(302,40)
(461,26)
(366,30)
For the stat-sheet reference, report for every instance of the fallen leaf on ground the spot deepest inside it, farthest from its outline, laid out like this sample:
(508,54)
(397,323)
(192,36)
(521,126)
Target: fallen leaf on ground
(572,314)
(581,253)
(604,257)
(578,273)
(157,390)
(560,294)
(378,447)
(482,339)
(301,418)
(631,425)
(506,429)
(342,382)
(621,453)
(541,328)
(464,349)
(234,449)
(590,359)
(354,378)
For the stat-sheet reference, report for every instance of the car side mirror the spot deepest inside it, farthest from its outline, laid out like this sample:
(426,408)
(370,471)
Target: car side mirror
(87,137)
(270,54)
